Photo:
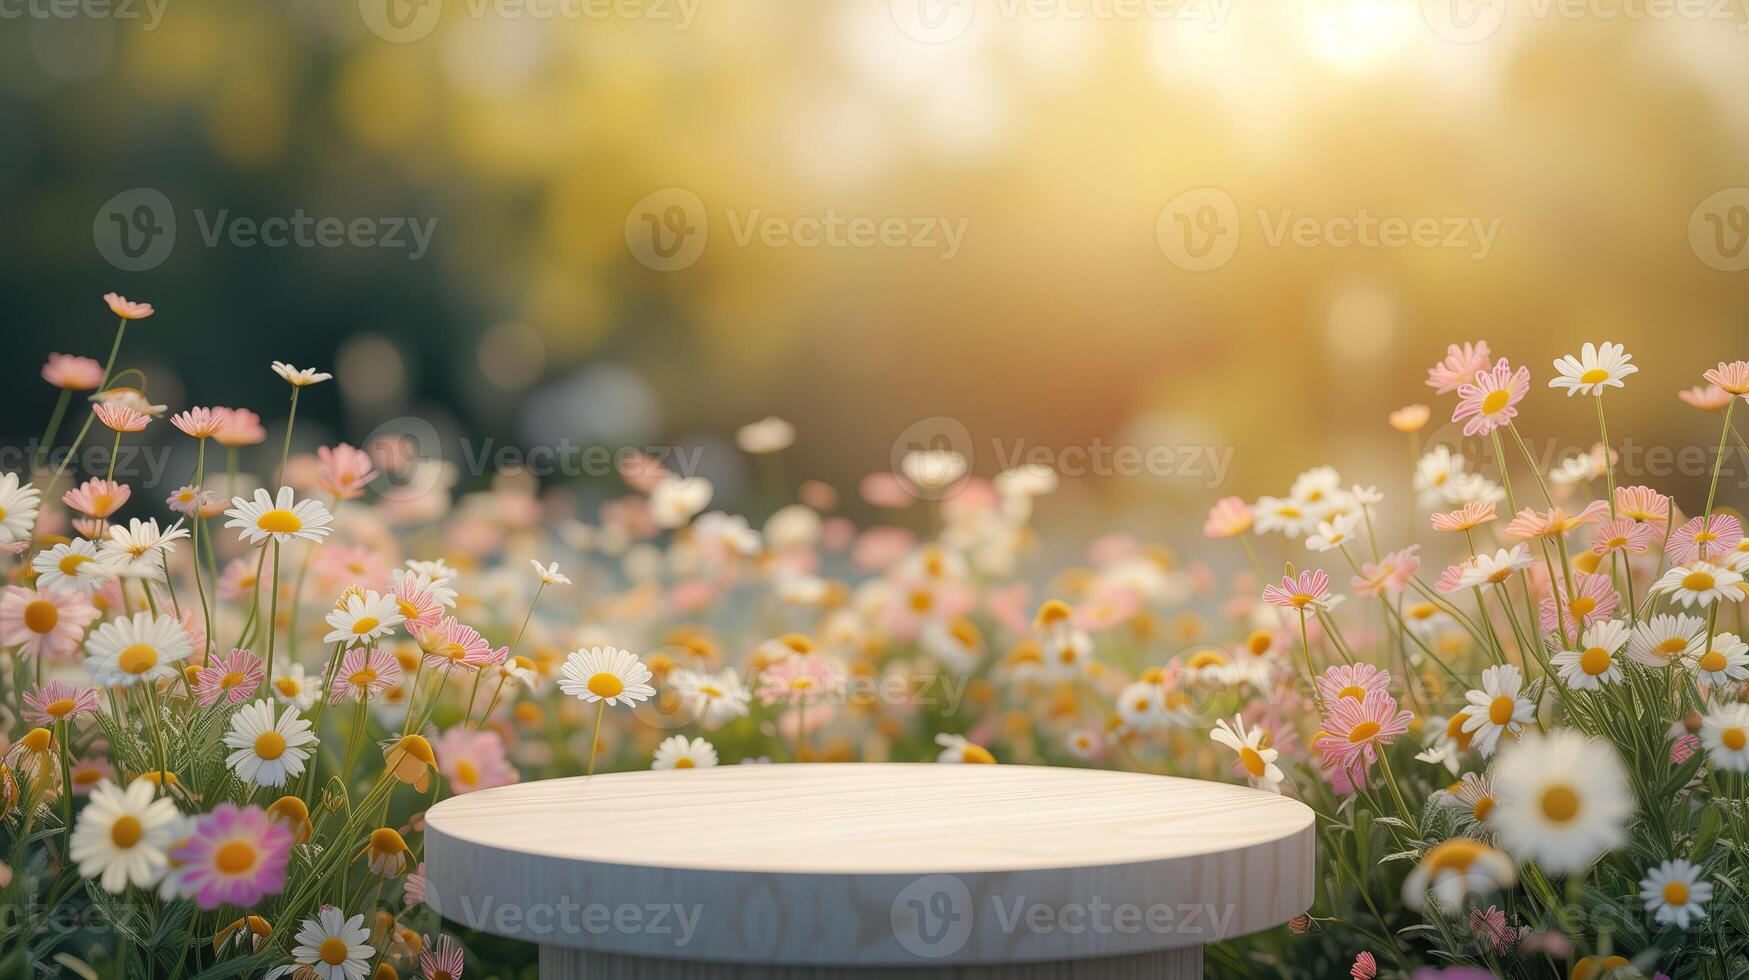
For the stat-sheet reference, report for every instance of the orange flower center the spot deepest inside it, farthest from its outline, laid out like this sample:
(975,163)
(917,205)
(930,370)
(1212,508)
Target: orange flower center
(126,832)
(235,857)
(605,685)
(137,659)
(277,521)
(1560,804)
(41,616)
(1594,661)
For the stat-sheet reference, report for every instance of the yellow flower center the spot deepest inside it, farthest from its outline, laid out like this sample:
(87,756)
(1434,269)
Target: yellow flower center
(710,691)
(1560,803)
(235,857)
(1354,691)
(1593,376)
(288,686)
(683,763)
(1363,731)
(1259,642)
(1734,739)
(1582,606)
(59,709)
(1484,806)
(605,685)
(365,625)
(332,951)
(1697,581)
(467,772)
(126,832)
(980,755)
(1672,646)
(363,677)
(1252,761)
(277,521)
(69,564)
(1302,599)
(270,745)
(408,610)
(1495,401)
(1713,661)
(1500,712)
(1594,661)
(1454,855)
(41,616)
(231,680)
(137,659)
(1675,893)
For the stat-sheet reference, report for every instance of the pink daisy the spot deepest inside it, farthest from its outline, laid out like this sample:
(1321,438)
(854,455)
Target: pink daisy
(1732,377)
(44,623)
(441,959)
(363,674)
(1388,574)
(1459,367)
(473,760)
(1452,579)
(125,308)
(1594,599)
(1229,517)
(1704,539)
(1473,514)
(803,678)
(120,418)
(233,676)
(418,604)
(241,428)
(1355,682)
(1308,591)
(1355,730)
(199,422)
(234,857)
(1642,504)
(451,644)
(55,701)
(238,579)
(97,497)
(1711,398)
(72,372)
(1492,399)
(1622,535)
(1365,967)
(345,471)
(413,887)
(88,772)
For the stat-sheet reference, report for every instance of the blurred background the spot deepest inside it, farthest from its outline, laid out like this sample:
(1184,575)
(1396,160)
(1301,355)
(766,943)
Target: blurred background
(1059,223)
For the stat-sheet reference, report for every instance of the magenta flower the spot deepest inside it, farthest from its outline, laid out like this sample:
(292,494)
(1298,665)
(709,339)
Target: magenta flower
(1704,539)
(1308,591)
(234,857)
(233,676)
(1491,400)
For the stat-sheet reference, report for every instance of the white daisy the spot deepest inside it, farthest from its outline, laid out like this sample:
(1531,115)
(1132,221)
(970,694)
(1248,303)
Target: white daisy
(134,551)
(1334,533)
(955,643)
(1725,734)
(268,752)
(1257,759)
(283,519)
(711,699)
(933,469)
(299,378)
(69,567)
(1082,743)
(768,435)
(1562,800)
(291,686)
(1455,869)
(18,507)
(1067,652)
(1700,583)
(605,674)
(1441,748)
(362,616)
(676,500)
(1142,706)
(1593,370)
(1667,639)
(1473,794)
(1674,893)
(680,752)
(1497,708)
(1595,663)
(1725,662)
(334,946)
(1287,516)
(1486,570)
(121,835)
(957,749)
(133,649)
(548,574)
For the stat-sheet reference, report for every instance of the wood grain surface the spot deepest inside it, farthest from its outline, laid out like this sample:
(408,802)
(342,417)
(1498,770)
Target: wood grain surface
(865,864)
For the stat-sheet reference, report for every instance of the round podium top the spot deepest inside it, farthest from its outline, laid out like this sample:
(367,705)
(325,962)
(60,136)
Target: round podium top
(870,864)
